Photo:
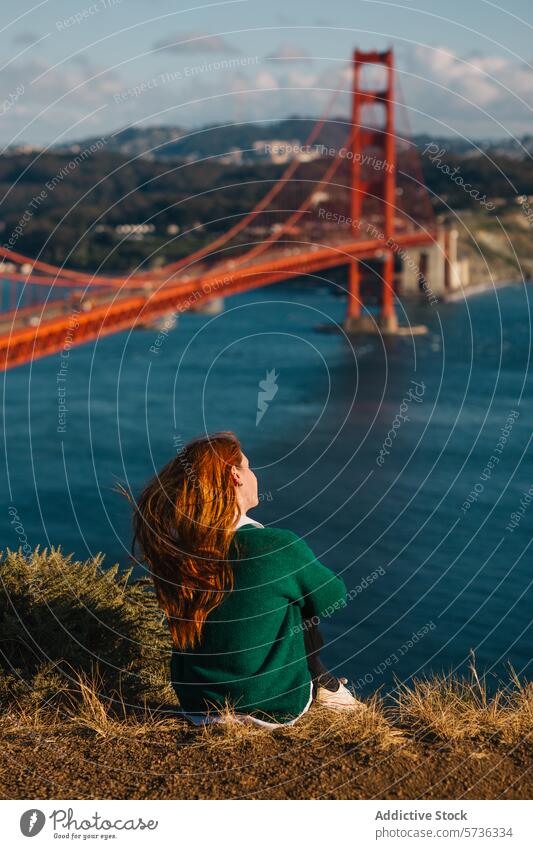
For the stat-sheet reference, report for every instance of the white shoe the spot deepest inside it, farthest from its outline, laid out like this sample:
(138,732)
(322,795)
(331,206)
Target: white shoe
(341,699)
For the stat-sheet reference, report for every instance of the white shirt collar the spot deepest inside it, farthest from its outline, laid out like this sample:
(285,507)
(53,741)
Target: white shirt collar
(245,520)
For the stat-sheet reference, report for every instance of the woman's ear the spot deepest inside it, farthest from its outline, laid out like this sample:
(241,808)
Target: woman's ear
(235,476)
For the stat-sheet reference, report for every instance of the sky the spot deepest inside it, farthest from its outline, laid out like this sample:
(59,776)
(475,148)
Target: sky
(78,68)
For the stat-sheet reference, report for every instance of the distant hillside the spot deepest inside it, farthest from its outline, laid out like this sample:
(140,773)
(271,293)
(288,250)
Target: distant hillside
(179,143)
(83,206)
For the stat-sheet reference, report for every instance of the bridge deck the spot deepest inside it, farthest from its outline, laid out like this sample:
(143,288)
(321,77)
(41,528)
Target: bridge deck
(62,324)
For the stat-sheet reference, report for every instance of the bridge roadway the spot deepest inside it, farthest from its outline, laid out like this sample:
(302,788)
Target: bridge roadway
(34,332)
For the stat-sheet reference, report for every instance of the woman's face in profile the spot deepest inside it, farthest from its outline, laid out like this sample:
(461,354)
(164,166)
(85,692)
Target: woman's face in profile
(248,490)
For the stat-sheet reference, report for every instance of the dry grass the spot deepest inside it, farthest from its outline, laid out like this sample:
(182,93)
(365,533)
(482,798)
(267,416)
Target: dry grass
(84,707)
(365,727)
(318,726)
(109,717)
(453,708)
(442,708)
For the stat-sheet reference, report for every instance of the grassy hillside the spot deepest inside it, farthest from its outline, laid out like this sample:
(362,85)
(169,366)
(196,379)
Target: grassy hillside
(499,247)
(67,206)
(87,712)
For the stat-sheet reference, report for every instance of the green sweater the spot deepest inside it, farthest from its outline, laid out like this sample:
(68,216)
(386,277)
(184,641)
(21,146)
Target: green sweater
(252,654)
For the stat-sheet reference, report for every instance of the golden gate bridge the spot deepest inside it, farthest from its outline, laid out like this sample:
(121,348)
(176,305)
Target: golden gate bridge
(367,201)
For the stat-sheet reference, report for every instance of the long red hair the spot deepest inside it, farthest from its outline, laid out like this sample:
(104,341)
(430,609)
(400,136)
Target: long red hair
(183,525)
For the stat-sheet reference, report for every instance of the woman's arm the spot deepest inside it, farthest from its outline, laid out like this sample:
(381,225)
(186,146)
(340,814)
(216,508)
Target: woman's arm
(317,588)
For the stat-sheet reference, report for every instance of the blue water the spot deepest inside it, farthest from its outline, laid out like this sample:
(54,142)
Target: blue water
(455,577)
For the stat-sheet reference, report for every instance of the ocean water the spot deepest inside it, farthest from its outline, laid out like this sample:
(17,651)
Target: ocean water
(404,462)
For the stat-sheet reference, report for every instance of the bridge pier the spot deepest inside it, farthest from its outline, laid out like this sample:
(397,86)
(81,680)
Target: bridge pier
(414,267)
(211,307)
(357,322)
(353,307)
(380,324)
(434,278)
(432,271)
(388,322)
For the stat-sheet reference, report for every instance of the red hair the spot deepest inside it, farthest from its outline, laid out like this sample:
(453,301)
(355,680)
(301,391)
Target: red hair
(183,525)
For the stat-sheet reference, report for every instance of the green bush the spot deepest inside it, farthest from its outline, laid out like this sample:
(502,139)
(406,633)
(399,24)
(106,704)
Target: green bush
(60,617)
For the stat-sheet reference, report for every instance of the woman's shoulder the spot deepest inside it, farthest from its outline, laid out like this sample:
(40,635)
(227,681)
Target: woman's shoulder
(259,532)
(271,540)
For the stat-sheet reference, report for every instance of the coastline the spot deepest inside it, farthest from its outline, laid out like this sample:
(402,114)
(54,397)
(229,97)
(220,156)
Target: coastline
(477,289)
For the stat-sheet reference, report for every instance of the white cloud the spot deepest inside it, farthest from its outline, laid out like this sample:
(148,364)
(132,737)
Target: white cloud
(264,80)
(290,52)
(472,94)
(196,42)
(441,85)
(54,98)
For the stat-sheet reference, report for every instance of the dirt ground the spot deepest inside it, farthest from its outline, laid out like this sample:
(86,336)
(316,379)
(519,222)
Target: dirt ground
(184,763)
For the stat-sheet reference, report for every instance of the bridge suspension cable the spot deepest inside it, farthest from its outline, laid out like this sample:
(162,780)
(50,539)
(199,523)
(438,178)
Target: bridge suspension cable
(382,186)
(140,279)
(237,228)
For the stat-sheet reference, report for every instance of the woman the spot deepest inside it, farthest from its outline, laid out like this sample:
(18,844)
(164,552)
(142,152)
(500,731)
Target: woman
(237,595)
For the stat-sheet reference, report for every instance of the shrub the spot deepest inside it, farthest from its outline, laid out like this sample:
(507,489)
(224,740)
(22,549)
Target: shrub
(60,617)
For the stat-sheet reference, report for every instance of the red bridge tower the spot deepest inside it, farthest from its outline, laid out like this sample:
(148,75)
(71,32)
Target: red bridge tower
(373,185)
